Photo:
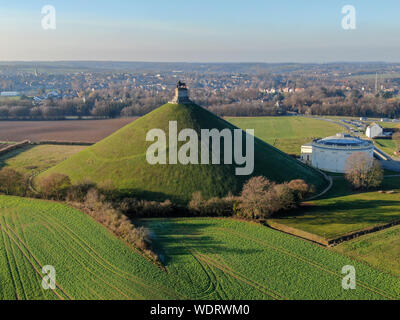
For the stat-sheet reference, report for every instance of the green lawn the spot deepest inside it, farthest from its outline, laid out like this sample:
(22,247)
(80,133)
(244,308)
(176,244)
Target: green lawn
(380,250)
(30,159)
(387,145)
(3,99)
(287,133)
(342,211)
(204,259)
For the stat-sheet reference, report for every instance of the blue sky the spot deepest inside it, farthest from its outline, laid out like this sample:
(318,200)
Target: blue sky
(201,31)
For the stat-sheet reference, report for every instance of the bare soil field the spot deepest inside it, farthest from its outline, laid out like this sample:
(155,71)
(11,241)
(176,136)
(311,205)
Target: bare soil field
(69,130)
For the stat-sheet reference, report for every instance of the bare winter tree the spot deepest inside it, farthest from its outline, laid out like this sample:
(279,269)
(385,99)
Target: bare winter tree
(363,172)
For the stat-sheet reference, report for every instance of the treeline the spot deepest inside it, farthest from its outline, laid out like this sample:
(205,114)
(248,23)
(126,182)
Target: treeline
(112,103)
(259,199)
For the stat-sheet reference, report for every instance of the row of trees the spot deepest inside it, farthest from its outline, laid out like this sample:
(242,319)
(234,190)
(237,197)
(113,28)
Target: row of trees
(113,103)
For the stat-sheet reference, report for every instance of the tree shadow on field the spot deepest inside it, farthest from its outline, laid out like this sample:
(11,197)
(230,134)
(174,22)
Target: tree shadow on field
(13,154)
(174,240)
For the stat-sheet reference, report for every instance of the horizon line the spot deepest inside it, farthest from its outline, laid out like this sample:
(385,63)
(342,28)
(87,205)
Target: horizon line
(198,62)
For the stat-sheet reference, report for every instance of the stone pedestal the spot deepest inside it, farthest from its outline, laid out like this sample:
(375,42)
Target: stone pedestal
(181,96)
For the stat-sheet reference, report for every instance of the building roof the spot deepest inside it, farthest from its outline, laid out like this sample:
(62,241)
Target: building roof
(343,140)
(374,124)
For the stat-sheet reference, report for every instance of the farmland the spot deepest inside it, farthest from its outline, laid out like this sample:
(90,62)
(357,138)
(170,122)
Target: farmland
(32,159)
(287,133)
(228,259)
(204,259)
(380,250)
(71,130)
(341,212)
(90,263)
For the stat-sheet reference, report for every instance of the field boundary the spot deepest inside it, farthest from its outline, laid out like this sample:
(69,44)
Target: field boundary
(64,143)
(14,147)
(24,143)
(297,232)
(328,242)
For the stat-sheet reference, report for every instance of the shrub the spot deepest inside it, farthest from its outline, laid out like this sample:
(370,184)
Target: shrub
(143,208)
(13,182)
(104,213)
(363,172)
(281,197)
(78,192)
(261,198)
(255,198)
(55,186)
(301,189)
(220,207)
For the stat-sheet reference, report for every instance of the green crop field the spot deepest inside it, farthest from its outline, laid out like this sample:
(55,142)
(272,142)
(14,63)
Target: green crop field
(228,259)
(204,259)
(38,158)
(287,133)
(342,211)
(380,250)
(90,262)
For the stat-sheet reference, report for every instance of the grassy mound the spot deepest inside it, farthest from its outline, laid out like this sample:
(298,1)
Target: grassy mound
(119,161)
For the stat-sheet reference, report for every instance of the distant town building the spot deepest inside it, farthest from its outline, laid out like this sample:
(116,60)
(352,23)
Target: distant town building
(374,130)
(331,153)
(10,94)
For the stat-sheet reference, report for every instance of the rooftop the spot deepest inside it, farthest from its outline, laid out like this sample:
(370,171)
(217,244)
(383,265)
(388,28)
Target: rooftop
(344,140)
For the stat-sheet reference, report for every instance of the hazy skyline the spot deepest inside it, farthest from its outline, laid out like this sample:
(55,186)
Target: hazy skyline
(206,31)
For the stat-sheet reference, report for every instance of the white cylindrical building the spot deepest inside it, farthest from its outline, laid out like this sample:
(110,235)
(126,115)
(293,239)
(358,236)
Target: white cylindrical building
(330,154)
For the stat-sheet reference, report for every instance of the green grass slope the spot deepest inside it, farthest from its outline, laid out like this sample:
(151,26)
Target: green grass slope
(119,161)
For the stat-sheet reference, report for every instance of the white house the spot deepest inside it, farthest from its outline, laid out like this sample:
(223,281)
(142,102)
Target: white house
(374,130)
